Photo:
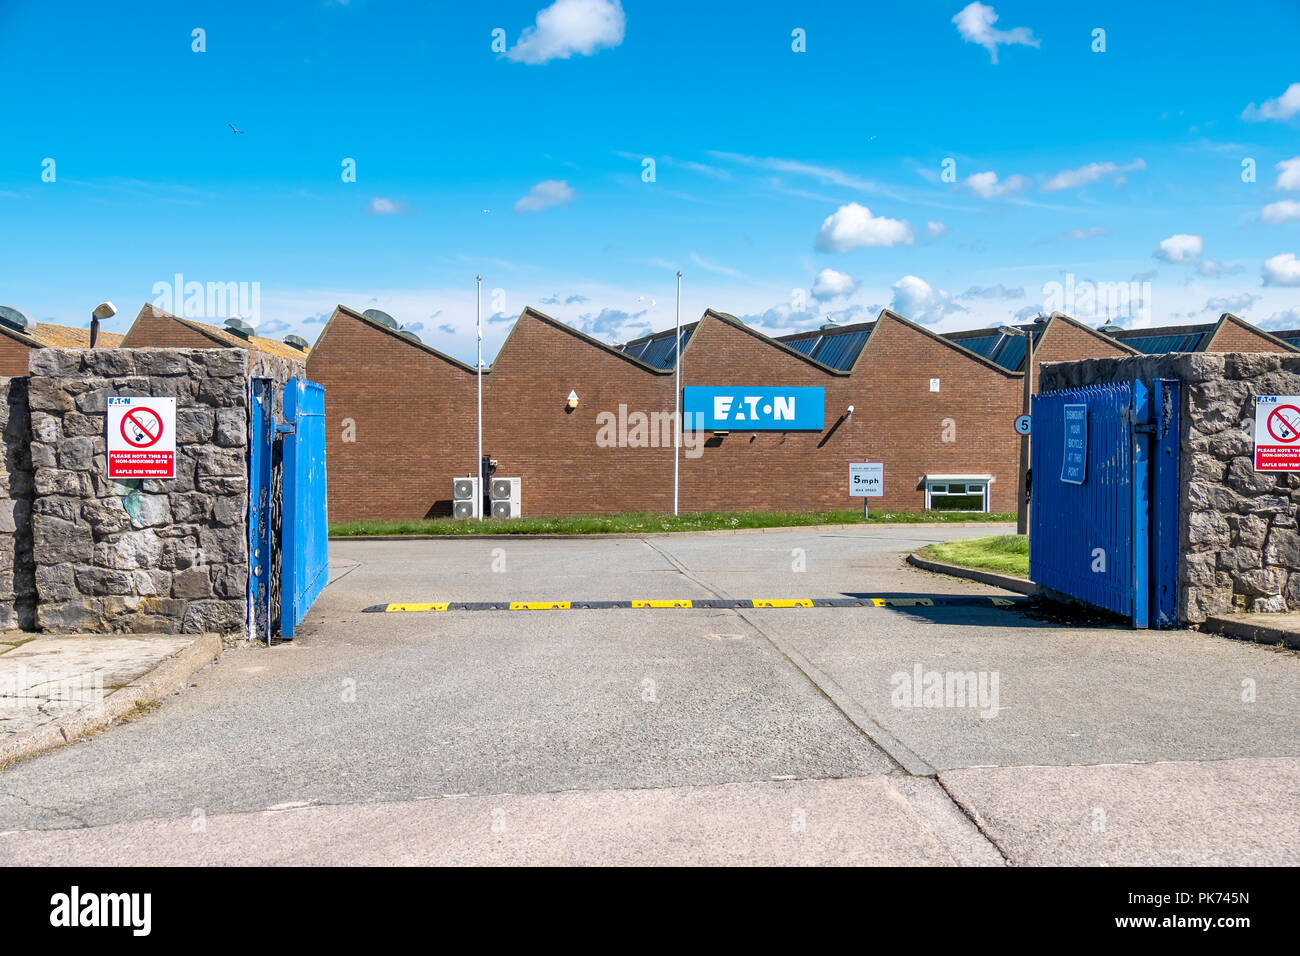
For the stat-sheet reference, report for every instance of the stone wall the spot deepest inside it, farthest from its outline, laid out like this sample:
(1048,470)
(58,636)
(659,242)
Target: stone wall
(1239,544)
(17,572)
(148,555)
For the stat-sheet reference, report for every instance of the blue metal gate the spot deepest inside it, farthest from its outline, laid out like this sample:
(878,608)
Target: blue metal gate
(1104,522)
(287,522)
(305,525)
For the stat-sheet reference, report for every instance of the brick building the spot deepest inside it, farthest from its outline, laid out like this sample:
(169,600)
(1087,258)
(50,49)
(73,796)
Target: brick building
(935,409)
(18,341)
(155,329)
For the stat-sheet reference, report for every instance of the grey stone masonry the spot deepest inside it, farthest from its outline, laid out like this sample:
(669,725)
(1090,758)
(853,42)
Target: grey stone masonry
(143,555)
(1239,543)
(17,571)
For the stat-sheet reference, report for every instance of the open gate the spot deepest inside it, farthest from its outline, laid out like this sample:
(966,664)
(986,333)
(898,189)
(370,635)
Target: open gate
(288,527)
(1104,523)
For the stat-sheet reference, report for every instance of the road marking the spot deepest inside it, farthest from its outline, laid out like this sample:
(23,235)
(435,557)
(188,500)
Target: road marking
(862,600)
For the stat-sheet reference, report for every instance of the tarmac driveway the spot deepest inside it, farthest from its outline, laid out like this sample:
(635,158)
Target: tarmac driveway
(796,735)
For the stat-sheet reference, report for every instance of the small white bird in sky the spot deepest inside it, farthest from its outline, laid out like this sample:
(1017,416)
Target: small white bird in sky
(232,128)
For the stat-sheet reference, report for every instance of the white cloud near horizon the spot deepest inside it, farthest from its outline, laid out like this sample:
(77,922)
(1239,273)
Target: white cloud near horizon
(853,225)
(1180,248)
(1282,270)
(830,284)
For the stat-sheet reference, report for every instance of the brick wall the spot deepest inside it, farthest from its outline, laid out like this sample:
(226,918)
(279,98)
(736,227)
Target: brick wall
(413,418)
(399,422)
(1066,342)
(13,356)
(156,329)
(1236,336)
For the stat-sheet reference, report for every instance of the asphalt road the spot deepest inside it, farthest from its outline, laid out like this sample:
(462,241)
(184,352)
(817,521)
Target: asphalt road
(684,735)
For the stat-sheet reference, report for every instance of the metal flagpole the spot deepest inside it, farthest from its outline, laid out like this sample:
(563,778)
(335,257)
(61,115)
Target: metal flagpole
(478,462)
(677,393)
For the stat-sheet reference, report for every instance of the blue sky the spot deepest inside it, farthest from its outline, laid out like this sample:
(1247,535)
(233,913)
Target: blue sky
(947,160)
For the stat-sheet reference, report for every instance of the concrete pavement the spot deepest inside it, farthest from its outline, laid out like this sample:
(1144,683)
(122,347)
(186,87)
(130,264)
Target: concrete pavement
(681,735)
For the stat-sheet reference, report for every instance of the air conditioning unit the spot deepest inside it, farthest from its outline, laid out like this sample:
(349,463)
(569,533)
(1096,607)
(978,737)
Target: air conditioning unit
(505,497)
(465,502)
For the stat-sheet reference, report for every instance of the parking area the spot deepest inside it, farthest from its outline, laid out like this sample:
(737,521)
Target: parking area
(927,734)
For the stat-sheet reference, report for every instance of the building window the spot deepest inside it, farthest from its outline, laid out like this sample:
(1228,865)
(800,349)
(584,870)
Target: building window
(957,492)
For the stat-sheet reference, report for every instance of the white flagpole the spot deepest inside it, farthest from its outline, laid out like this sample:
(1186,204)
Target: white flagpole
(478,462)
(677,394)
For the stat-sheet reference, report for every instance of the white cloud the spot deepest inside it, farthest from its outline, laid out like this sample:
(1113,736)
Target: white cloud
(916,299)
(853,225)
(380,206)
(831,285)
(1180,248)
(548,193)
(824,174)
(1235,304)
(1289,319)
(1090,233)
(998,291)
(1281,108)
(1085,175)
(975,24)
(1214,269)
(986,185)
(935,229)
(715,267)
(567,27)
(1283,269)
(1288,210)
(1288,174)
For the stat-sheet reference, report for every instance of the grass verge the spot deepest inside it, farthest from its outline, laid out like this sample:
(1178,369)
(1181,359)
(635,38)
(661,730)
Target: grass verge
(1001,553)
(636,522)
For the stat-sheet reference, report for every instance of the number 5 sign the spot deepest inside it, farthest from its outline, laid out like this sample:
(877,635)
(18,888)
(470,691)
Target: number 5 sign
(141,437)
(1277,433)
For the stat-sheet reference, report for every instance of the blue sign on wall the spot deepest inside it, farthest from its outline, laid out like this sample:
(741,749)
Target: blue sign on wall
(754,408)
(1074,466)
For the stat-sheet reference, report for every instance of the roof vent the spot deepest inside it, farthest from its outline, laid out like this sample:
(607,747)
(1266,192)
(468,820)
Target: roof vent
(408,334)
(296,341)
(383,318)
(13,318)
(1110,328)
(237,326)
(829,325)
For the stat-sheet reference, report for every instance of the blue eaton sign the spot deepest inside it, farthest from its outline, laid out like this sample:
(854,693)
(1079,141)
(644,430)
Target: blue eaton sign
(756,408)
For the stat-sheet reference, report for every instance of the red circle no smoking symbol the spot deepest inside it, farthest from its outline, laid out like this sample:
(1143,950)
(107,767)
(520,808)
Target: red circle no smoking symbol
(1284,427)
(142,427)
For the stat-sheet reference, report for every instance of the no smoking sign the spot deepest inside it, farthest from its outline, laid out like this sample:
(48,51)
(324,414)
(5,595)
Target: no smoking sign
(141,437)
(1277,433)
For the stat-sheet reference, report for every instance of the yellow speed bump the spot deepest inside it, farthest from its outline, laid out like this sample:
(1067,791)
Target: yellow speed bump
(661,603)
(540,606)
(796,602)
(1002,602)
(439,606)
(905,602)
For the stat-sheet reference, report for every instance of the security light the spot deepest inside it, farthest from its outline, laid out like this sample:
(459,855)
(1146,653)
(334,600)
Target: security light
(105,310)
(850,414)
(572,402)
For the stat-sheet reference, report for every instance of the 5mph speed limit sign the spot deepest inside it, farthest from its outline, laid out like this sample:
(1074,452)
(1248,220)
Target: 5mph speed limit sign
(1023,424)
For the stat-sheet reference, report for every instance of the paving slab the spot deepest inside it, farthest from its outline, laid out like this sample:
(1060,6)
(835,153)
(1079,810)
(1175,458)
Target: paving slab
(875,820)
(1243,812)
